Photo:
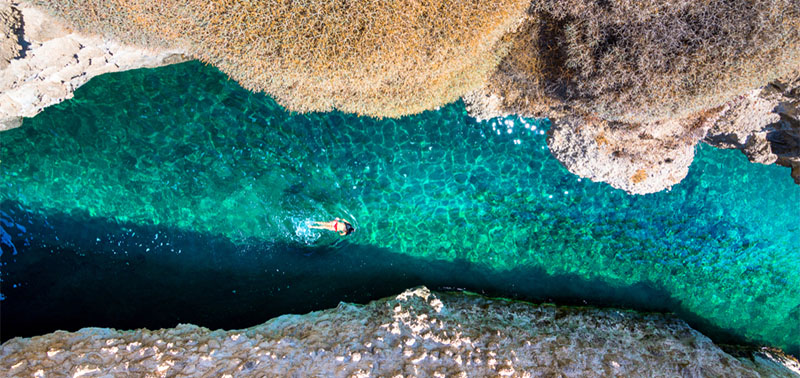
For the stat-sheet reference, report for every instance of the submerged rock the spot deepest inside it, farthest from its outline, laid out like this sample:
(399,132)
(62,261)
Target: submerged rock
(417,333)
(42,61)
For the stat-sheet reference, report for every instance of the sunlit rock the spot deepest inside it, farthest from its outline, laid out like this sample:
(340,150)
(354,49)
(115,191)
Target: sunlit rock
(43,61)
(417,333)
(764,124)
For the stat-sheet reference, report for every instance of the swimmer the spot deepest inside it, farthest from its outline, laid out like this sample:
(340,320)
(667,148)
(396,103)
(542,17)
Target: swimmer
(337,225)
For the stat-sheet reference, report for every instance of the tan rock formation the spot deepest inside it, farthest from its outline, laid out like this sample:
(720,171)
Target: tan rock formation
(650,157)
(42,61)
(417,333)
(639,159)
(375,58)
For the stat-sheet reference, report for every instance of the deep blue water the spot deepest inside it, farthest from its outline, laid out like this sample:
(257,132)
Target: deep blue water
(173,195)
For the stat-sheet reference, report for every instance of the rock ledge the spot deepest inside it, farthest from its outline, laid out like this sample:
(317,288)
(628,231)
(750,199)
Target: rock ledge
(417,333)
(42,61)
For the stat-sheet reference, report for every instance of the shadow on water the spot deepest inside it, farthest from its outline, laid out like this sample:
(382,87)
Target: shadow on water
(126,276)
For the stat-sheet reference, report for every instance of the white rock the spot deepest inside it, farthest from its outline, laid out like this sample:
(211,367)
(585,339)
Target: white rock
(546,341)
(56,61)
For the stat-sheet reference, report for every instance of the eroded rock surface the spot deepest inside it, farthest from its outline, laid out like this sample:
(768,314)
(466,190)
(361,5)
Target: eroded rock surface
(10,31)
(417,333)
(639,159)
(42,61)
(650,157)
(764,125)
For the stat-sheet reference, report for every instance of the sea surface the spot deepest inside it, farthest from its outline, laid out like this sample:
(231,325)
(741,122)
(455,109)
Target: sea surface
(172,195)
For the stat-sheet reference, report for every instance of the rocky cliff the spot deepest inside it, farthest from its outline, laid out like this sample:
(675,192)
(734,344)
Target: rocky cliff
(650,157)
(43,61)
(631,87)
(417,333)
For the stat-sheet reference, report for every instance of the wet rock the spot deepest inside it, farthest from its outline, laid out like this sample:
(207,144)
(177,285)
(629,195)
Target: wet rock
(42,61)
(417,333)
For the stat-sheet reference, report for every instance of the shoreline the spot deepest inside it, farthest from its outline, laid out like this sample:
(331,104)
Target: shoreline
(417,332)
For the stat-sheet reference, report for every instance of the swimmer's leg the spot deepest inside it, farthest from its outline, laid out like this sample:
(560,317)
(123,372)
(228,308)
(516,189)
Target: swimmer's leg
(316,225)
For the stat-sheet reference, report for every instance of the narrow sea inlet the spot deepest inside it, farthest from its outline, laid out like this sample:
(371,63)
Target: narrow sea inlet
(166,196)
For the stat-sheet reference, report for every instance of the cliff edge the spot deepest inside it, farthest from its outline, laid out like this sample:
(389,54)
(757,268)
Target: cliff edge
(43,61)
(417,333)
(631,87)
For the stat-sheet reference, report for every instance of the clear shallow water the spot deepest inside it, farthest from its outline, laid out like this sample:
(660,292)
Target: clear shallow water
(183,174)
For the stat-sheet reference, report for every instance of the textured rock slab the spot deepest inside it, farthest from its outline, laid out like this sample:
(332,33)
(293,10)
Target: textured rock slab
(42,61)
(417,333)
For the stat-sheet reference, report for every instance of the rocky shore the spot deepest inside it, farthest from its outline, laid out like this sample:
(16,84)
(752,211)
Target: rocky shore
(643,158)
(416,333)
(626,110)
(764,125)
(43,61)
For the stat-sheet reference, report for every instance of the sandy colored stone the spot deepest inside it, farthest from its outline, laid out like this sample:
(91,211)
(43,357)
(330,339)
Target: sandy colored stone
(42,61)
(483,105)
(639,159)
(417,333)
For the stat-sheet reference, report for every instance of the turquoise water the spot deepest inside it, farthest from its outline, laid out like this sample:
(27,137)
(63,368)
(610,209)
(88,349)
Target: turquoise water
(182,148)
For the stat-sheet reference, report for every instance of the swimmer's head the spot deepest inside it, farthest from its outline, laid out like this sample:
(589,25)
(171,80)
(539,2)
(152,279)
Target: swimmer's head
(348,228)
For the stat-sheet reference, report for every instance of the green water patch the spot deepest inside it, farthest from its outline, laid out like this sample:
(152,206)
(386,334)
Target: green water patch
(184,148)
